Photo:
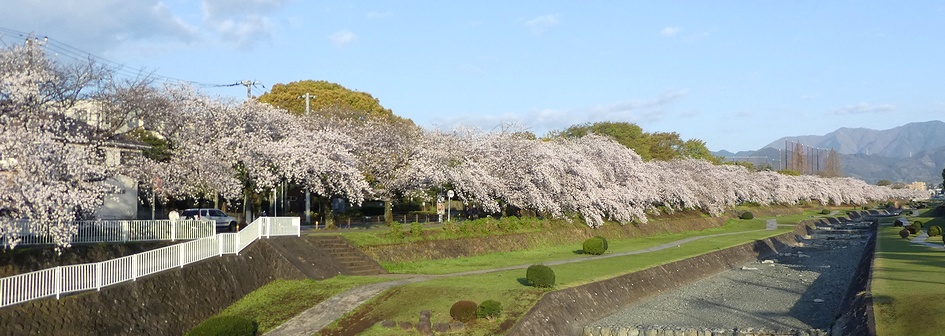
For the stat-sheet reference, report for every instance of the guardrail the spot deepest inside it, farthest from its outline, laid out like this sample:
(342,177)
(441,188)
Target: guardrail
(118,231)
(74,278)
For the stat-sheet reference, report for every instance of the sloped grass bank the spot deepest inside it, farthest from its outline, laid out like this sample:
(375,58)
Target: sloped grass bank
(908,286)
(280,300)
(512,234)
(404,303)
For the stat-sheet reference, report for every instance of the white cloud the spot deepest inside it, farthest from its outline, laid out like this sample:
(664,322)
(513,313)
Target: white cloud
(542,120)
(670,31)
(116,26)
(541,24)
(99,26)
(864,108)
(242,23)
(220,10)
(343,38)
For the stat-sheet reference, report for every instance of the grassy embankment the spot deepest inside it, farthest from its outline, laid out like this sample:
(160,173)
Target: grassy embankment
(403,303)
(908,286)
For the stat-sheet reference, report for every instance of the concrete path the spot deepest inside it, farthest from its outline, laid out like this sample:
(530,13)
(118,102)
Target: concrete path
(314,319)
(920,239)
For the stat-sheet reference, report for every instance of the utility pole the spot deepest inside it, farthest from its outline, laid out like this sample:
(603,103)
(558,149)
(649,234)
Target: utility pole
(246,209)
(249,87)
(308,194)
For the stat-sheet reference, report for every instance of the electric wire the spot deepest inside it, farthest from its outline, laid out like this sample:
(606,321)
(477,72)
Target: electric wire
(63,49)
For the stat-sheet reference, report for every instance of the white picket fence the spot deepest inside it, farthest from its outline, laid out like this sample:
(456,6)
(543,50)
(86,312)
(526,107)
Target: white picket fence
(74,278)
(118,231)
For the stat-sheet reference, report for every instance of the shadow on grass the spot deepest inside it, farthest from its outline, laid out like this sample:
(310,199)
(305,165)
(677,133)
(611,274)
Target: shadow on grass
(578,251)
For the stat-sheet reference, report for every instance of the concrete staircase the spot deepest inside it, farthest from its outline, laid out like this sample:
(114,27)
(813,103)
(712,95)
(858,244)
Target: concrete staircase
(353,260)
(321,257)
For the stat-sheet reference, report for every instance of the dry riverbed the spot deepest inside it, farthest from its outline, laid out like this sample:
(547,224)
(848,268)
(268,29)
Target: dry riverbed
(800,290)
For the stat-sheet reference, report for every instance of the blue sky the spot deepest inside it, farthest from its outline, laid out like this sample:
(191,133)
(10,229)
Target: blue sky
(736,74)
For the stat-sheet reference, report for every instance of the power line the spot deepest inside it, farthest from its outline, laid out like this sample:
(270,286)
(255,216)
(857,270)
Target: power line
(65,50)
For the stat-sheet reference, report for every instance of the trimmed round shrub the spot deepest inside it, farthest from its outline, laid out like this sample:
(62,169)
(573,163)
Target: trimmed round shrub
(904,233)
(899,222)
(595,246)
(464,311)
(915,228)
(934,230)
(606,247)
(489,308)
(747,215)
(824,212)
(224,326)
(540,276)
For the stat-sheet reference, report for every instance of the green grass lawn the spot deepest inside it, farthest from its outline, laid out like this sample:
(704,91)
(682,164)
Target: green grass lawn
(560,252)
(271,305)
(277,302)
(908,285)
(404,303)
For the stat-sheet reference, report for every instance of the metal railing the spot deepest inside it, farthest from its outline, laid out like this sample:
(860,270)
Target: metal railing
(74,278)
(118,231)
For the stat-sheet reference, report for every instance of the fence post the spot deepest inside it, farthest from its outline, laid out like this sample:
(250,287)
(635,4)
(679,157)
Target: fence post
(58,281)
(134,267)
(173,230)
(269,229)
(98,276)
(125,231)
(180,254)
(219,244)
(237,247)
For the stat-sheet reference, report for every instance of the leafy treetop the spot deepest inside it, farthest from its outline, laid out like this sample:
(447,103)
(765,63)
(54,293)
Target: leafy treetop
(650,146)
(328,99)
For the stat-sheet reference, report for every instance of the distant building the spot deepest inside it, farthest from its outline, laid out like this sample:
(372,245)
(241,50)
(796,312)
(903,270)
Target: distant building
(122,201)
(917,186)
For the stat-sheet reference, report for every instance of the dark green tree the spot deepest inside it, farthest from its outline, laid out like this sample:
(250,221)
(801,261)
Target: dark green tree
(328,99)
(650,146)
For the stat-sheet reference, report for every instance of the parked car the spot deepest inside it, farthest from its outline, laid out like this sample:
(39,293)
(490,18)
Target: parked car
(222,219)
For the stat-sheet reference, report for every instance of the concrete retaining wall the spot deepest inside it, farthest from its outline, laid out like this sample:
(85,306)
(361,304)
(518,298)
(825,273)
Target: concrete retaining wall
(565,312)
(673,331)
(856,312)
(167,303)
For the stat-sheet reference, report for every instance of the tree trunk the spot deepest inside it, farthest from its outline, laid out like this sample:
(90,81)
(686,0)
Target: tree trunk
(327,213)
(388,212)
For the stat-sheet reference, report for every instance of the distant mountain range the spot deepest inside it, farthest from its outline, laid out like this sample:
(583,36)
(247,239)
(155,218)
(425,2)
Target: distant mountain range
(908,153)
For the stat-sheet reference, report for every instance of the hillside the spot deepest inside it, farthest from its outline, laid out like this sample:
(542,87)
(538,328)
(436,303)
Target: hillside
(897,142)
(907,153)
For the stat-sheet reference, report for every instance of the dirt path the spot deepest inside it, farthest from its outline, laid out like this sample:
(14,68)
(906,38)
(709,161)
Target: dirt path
(314,319)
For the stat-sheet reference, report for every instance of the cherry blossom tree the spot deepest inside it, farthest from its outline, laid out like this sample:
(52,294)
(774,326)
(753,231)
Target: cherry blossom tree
(599,179)
(233,148)
(51,169)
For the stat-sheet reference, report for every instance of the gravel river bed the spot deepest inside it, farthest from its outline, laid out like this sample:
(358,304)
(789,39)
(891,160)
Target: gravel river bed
(796,290)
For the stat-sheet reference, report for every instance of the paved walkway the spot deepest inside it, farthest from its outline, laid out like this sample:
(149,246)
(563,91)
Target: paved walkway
(314,319)
(920,239)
